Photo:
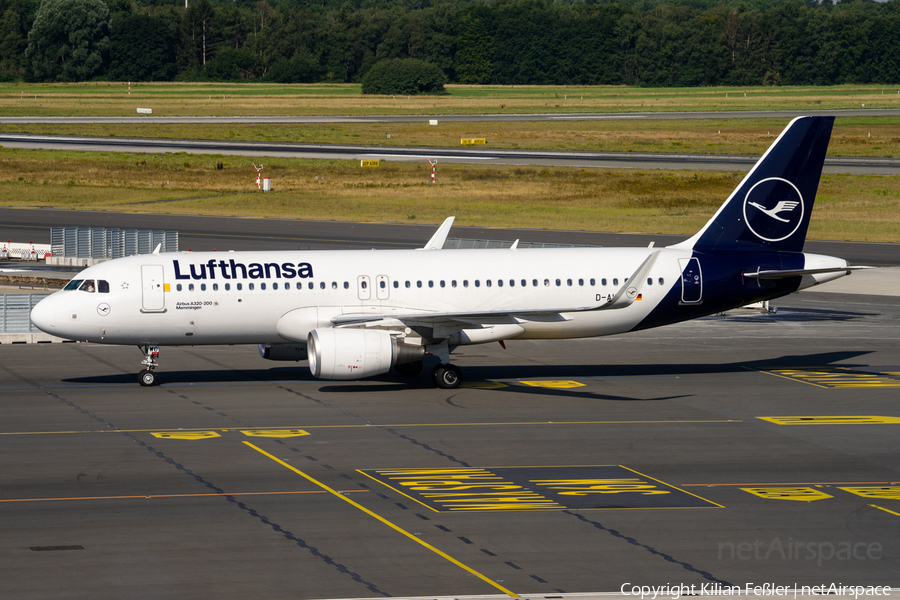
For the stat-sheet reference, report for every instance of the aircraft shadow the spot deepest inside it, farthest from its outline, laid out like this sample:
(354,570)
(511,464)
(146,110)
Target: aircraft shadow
(391,382)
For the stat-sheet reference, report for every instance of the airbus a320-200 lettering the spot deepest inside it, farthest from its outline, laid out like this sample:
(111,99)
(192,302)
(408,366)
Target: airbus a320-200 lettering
(357,314)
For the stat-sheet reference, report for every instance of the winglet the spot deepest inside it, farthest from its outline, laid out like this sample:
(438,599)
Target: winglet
(627,294)
(440,236)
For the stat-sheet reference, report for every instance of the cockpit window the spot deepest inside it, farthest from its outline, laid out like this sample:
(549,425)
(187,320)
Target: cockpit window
(102,286)
(88,286)
(73,285)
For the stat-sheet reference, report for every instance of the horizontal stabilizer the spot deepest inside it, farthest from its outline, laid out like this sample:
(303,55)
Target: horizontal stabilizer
(800,272)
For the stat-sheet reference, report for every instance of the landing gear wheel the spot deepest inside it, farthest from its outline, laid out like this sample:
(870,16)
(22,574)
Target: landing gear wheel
(409,369)
(147,378)
(447,377)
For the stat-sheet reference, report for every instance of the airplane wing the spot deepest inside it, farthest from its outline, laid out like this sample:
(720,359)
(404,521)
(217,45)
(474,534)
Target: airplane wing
(625,297)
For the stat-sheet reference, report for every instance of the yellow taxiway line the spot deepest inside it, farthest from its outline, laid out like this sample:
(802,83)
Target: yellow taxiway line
(385,521)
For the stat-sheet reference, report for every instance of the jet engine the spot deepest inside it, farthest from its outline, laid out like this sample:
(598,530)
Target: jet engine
(357,353)
(282,351)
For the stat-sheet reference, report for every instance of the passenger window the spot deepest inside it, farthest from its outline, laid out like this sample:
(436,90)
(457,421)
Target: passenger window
(240,286)
(453,283)
(603,281)
(203,287)
(73,285)
(418,284)
(525,283)
(569,282)
(382,284)
(430,283)
(227,287)
(512,283)
(488,283)
(262,286)
(191,287)
(649,281)
(477,283)
(443,283)
(408,284)
(661,281)
(334,285)
(346,285)
(465,283)
(250,286)
(615,281)
(396,284)
(215,287)
(500,282)
(103,286)
(178,287)
(534,282)
(310,285)
(322,285)
(299,285)
(275,286)
(87,286)
(593,281)
(362,284)
(581,282)
(558,283)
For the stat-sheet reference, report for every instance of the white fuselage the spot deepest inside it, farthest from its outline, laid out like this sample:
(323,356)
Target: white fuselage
(150,303)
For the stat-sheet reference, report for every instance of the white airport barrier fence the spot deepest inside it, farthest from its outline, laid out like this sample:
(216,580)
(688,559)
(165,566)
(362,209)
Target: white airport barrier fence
(15,320)
(21,251)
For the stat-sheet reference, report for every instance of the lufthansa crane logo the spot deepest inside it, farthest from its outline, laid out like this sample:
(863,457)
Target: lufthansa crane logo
(773,209)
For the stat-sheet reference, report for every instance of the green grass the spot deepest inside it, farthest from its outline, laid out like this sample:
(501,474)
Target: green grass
(860,136)
(858,207)
(244,99)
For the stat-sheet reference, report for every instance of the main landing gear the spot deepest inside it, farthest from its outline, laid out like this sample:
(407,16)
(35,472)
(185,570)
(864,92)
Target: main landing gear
(148,377)
(447,377)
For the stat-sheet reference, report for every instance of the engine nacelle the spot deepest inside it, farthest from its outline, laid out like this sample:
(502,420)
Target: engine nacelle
(294,352)
(356,353)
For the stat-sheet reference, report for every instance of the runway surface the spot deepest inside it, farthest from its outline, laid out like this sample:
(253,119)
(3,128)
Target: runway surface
(728,450)
(204,233)
(766,114)
(637,160)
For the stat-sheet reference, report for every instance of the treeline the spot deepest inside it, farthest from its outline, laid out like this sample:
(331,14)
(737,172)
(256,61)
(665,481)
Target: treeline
(635,42)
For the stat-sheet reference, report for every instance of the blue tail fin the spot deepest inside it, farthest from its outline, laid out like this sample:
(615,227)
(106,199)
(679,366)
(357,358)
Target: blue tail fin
(772,205)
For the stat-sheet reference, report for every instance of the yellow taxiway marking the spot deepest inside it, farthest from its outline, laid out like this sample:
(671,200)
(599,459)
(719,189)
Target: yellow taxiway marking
(880,493)
(393,425)
(792,484)
(884,509)
(833,420)
(385,521)
(274,433)
(484,385)
(804,494)
(837,377)
(151,496)
(553,384)
(185,435)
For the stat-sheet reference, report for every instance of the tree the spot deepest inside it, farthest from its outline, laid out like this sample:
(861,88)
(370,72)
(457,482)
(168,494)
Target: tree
(403,76)
(142,48)
(69,40)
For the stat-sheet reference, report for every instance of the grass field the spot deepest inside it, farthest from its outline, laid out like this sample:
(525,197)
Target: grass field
(243,99)
(853,136)
(680,202)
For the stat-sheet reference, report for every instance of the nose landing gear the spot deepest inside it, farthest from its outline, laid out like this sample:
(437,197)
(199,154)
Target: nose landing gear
(147,377)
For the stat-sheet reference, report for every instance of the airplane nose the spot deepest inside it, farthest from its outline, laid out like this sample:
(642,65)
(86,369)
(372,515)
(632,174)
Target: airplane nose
(43,315)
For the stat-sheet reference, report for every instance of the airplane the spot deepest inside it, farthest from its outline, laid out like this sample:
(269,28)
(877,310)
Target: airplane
(357,314)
